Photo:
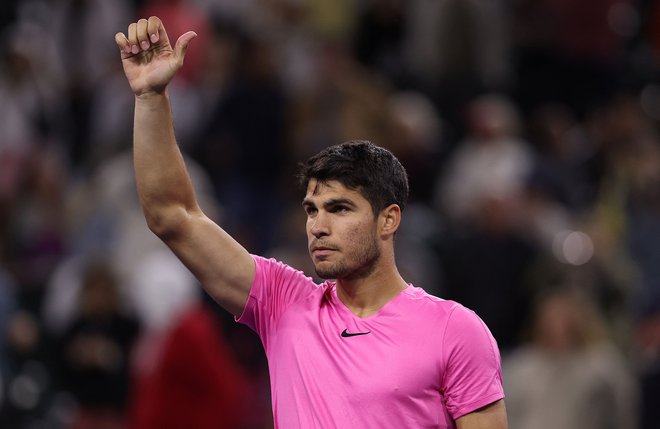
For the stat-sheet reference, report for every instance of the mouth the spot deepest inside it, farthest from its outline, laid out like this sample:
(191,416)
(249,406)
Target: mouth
(321,251)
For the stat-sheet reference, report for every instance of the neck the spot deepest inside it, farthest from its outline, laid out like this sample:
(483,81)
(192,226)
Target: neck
(365,296)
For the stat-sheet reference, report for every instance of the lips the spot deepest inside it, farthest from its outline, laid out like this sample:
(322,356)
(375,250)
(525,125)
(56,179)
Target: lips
(321,250)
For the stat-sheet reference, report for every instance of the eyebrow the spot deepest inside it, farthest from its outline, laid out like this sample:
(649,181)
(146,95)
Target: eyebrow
(330,203)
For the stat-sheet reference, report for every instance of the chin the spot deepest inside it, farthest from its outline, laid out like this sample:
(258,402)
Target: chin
(324,274)
(327,273)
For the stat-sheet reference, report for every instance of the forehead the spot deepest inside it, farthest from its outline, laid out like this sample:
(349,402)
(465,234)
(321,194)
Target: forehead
(331,189)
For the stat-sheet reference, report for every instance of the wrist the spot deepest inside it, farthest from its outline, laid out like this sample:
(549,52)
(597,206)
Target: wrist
(151,96)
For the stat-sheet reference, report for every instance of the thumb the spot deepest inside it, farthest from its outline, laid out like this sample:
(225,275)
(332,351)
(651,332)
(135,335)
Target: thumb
(181,45)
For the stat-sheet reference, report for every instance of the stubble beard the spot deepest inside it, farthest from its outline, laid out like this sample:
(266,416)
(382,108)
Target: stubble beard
(361,263)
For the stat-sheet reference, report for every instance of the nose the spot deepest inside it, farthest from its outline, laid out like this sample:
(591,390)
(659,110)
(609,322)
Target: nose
(318,225)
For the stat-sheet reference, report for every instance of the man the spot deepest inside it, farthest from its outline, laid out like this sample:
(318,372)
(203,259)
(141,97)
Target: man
(365,351)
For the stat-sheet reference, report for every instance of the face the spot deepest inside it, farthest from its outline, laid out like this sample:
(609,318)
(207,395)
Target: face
(557,322)
(341,231)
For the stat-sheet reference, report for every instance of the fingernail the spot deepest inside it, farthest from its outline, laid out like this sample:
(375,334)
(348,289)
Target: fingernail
(144,44)
(127,49)
(154,38)
(135,49)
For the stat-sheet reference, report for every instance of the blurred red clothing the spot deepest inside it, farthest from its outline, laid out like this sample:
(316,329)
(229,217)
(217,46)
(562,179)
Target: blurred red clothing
(179,17)
(196,383)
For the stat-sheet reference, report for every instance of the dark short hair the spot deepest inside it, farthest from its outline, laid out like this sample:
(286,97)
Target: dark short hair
(361,166)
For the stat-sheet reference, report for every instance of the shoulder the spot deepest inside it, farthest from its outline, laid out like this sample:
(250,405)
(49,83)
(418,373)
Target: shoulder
(465,328)
(423,303)
(443,319)
(459,330)
(281,281)
(451,315)
(275,289)
(272,268)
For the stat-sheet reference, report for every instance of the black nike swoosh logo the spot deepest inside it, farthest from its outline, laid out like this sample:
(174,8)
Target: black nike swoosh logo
(347,334)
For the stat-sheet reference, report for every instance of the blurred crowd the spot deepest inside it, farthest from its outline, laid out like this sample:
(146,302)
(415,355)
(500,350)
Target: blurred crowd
(530,131)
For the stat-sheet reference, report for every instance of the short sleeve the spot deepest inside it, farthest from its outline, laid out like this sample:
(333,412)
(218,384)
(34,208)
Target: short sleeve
(275,287)
(473,370)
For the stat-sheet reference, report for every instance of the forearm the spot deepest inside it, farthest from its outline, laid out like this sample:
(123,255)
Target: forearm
(163,182)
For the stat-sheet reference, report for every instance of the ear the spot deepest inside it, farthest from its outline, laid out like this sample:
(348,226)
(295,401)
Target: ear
(389,220)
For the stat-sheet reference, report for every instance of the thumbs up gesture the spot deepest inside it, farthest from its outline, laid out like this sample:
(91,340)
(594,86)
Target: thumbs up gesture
(149,60)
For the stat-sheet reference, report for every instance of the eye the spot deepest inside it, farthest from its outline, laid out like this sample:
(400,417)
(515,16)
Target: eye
(310,210)
(339,209)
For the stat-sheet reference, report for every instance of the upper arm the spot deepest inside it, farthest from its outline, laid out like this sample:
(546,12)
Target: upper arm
(224,267)
(492,416)
(472,376)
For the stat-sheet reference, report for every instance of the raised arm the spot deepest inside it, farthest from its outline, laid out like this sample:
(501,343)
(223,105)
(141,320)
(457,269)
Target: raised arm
(222,265)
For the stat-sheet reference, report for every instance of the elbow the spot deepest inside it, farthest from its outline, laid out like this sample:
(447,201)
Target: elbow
(168,223)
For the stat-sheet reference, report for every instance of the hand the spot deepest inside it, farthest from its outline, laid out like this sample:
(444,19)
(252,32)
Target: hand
(149,60)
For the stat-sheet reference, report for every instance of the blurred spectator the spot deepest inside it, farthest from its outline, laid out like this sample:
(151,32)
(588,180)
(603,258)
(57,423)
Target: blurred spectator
(331,20)
(457,49)
(109,107)
(28,385)
(567,166)
(197,380)
(37,236)
(569,52)
(347,101)
(246,162)
(628,198)
(7,310)
(647,354)
(568,375)
(29,86)
(286,25)
(230,10)
(491,164)
(379,38)
(86,25)
(94,353)
(652,18)
(584,254)
(417,137)
(7,13)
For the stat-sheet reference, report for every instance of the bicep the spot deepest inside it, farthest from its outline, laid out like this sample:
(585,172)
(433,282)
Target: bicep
(224,267)
(492,416)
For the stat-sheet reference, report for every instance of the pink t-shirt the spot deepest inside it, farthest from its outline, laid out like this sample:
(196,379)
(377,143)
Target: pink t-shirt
(419,362)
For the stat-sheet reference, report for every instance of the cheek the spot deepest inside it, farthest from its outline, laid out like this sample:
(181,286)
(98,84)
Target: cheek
(359,234)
